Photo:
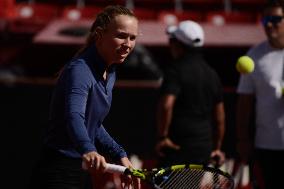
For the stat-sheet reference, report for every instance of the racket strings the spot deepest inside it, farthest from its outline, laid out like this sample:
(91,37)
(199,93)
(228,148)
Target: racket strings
(181,179)
(195,179)
(189,180)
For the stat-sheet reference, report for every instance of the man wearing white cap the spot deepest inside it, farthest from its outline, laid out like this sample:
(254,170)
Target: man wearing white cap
(191,95)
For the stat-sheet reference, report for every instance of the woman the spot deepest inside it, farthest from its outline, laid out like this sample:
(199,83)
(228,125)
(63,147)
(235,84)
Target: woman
(80,102)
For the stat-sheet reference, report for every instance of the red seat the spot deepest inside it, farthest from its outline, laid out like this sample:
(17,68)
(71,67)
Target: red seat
(152,3)
(145,14)
(221,17)
(172,17)
(249,2)
(74,13)
(206,4)
(5,13)
(30,18)
(6,7)
(248,5)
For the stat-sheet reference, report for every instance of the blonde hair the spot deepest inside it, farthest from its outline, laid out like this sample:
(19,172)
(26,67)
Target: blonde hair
(102,21)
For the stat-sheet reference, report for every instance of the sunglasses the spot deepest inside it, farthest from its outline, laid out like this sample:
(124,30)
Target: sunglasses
(271,19)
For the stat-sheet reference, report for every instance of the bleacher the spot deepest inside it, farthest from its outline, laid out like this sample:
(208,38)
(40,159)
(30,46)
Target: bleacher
(41,12)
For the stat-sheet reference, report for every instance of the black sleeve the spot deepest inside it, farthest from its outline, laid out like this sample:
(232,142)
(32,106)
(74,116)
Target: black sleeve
(171,82)
(219,88)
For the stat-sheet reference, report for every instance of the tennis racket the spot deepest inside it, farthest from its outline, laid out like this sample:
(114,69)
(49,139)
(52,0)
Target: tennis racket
(189,176)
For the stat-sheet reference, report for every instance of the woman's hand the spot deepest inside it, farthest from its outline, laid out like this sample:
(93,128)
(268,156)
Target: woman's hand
(128,181)
(93,160)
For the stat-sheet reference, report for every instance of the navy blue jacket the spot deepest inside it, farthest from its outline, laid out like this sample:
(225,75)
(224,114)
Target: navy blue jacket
(80,102)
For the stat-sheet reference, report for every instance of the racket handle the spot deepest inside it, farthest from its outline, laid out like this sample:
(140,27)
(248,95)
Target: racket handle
(112,168)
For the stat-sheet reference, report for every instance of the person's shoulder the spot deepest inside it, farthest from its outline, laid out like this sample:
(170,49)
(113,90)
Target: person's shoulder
(259,48)
(209,69)
(78,64)
(78,67)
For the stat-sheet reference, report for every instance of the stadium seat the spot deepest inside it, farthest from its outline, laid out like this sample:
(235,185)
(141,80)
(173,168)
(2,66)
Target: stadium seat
(172,17)
(5,12)
(152,4)
(6,7)
(203,4)
(222,17)
(74,13)
(249,2)
(31,17)
(248,5)
(145,14)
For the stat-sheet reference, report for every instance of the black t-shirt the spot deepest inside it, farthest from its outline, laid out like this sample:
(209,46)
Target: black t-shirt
(197,88)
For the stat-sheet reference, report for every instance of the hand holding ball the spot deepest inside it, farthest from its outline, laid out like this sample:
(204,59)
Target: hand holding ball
(245,65)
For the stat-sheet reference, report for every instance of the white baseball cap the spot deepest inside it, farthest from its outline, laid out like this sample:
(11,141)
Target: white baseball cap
(187,32)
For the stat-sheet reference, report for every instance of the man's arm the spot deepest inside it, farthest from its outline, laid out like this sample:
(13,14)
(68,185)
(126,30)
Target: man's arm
(164,114)
(164,118)
(219,116)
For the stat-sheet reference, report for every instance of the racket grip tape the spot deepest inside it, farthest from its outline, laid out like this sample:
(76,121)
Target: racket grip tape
(111,168)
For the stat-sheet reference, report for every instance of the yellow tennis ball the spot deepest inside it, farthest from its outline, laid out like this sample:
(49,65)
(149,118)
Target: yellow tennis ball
(245,65)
